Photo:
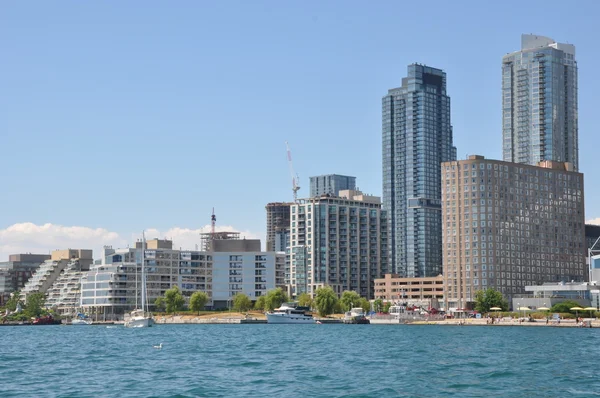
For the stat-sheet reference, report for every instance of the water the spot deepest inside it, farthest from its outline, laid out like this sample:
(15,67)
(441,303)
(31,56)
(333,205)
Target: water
(298,361)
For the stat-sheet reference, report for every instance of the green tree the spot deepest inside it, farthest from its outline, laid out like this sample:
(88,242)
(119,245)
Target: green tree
(11,304)
(386,307)
(325,300)
(378,305)
(365,305)
(35,305)
(304,300)
(488,298)
(260,303)
(337,308)
(198,301)
(274,298)
(174,300)
(565,306)
(241,302)
(159,304)
(349,299)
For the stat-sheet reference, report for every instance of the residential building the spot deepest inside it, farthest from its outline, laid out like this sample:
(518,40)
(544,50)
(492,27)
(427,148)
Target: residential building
(278,225)
(510,225)
(425,292)
(331,184)
(339,242)
(539,103)
(50,270)
(15,272)
(417,138)
(232,266)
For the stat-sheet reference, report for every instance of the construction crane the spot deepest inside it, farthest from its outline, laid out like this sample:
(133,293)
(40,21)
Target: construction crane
(295,186)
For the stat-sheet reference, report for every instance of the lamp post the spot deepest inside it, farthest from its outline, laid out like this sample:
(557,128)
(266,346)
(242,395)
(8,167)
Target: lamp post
(519,311)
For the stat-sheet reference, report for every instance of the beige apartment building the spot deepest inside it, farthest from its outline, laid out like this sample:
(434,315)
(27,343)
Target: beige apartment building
(394,288)
(509,225)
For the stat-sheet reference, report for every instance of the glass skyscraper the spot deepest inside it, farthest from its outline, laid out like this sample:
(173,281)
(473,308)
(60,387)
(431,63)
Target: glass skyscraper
(539,103)
(417,138)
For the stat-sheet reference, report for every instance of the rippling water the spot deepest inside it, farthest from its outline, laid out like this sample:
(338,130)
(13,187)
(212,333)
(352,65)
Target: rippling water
(298,361)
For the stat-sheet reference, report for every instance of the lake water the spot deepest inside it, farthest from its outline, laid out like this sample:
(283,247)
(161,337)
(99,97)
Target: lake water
(298,361)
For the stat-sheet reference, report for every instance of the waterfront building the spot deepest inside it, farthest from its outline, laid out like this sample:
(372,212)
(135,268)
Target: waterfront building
(50,270)
(337,241)
(539,102)
(423,292)
(230,266)
(510,225)
(15,272)
(417,138)
(549,294)
(331,184)
(278,226)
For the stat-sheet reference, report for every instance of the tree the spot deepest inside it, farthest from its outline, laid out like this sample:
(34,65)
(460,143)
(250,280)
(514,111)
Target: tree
(565,306)
(325,300)
(159,304)
(365,305)
(349,299)
(386,307)
(35,305)
(260,303)
(378,305)
(274,299)
(11,303)
(198,301)
(174,300)
(304,300)
(241,302)
(488,298)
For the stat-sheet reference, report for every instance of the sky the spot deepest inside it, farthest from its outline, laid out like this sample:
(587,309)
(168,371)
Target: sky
(118,117)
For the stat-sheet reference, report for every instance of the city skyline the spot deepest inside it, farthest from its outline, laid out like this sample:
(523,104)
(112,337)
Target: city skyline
(108,111)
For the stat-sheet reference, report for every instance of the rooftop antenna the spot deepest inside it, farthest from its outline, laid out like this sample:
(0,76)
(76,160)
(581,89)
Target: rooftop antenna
(213,222)
(295,178)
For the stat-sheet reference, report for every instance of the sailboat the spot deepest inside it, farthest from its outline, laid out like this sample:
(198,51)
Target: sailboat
(140,317)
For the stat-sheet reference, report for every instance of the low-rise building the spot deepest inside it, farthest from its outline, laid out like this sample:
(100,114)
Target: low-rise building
(232,265)
(419,291)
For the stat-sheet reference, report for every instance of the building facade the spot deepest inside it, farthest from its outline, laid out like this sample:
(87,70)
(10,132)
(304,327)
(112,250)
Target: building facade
(509,225)
(278,225)
(234,266)
(539,103)
(417,138)
(15,272)
(331,184)
(422,291)
(339,242)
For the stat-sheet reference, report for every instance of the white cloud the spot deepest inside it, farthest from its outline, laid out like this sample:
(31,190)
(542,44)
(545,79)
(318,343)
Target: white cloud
(595,221)
(31,238)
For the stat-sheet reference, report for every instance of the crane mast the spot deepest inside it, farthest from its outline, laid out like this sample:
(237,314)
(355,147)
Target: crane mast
(295,186)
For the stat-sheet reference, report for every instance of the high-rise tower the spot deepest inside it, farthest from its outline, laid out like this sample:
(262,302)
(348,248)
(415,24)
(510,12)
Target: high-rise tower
(417,138)
(539,103)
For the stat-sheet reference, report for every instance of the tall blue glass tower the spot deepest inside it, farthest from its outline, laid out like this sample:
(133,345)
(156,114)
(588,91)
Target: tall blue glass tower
(417,138)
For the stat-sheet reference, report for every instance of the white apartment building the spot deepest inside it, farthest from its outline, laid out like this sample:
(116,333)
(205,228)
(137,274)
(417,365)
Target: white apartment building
(337,241)
(232,266)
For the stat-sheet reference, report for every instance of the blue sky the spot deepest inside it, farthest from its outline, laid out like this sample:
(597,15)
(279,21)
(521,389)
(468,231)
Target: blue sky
(125,116)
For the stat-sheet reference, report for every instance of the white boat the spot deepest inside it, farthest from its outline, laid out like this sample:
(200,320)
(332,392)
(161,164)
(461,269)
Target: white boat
(355,315)
(140,317)
(81,320)
(290,313)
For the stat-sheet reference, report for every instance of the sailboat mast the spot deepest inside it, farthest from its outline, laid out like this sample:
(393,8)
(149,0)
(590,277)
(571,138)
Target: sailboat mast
(143,271)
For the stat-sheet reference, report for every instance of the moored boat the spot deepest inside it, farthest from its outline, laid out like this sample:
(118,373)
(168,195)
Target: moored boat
(356,316)
(290,313)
